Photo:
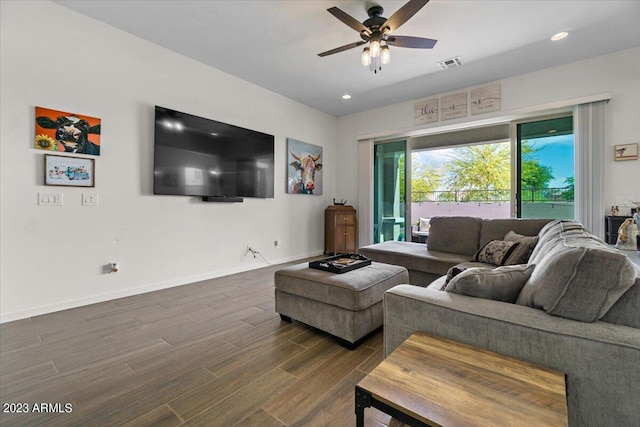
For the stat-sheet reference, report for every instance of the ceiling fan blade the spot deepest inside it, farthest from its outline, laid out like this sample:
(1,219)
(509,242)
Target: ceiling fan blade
(342,48)
(349,20)
(402,15)
(413,42)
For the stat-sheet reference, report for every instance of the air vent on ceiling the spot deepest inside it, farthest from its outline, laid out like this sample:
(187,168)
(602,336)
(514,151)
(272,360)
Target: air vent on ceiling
(451,62)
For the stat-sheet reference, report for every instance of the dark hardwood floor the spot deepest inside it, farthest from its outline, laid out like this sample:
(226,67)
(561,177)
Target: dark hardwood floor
(212,353)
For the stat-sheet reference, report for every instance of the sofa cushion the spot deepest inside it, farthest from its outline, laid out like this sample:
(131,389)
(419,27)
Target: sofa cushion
(553,234)
(625,311)
(413,256)
(579,278)
(499,284)
(438,284)
(456,234)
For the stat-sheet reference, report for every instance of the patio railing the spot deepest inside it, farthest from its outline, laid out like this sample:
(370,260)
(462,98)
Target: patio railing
(558,194)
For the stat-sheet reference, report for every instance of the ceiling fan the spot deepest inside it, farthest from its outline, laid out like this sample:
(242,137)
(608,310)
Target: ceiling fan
(377,32)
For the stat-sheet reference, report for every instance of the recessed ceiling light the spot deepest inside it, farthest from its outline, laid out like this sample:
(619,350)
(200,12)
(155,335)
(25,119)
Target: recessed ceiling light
(559,36)
(346,96)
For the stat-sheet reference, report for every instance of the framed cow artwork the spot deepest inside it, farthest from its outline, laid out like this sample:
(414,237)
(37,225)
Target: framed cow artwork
(304,167)
(67,132)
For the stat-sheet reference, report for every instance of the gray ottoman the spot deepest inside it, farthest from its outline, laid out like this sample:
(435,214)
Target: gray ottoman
(347,305)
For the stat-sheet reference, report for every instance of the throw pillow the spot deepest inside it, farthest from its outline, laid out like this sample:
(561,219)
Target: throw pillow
(495,252)
(451,273)
(512,236)
(499,284)
(520,254)
(424,224)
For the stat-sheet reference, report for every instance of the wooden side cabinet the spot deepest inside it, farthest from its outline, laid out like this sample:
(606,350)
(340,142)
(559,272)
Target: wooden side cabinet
(340,229)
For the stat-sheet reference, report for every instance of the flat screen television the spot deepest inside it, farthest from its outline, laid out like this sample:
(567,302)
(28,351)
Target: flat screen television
(194,156)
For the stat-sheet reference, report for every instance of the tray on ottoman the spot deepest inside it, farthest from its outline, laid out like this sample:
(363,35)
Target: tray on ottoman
(341,263)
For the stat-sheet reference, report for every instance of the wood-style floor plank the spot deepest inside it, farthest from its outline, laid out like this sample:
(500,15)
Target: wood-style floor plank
(260,418)
(243,402)
(298,399)
(161,416)
(208,353)
(216,390)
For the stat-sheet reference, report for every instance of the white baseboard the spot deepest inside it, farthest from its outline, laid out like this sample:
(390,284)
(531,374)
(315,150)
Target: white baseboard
(50,308)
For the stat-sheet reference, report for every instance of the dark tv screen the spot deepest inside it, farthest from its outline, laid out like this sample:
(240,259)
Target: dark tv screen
(195,156)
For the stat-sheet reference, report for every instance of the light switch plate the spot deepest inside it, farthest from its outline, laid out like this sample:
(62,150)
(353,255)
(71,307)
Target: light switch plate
(50,199)
(89,199)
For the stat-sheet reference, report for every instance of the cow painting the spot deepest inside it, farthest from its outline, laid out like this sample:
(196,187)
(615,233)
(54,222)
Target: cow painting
(304,162)
(71,132)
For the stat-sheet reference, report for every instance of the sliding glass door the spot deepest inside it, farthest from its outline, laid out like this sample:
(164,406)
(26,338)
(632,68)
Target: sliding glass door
(545,170)
(389,191)
(469,172)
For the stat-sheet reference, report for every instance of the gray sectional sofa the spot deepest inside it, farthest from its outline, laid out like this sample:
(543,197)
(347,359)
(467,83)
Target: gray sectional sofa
(577,312)
(452,240)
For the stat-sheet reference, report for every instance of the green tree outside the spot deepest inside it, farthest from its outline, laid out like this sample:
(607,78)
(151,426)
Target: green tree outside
(475,172)
(533,174)
(425,178)
(568,193)
(479,167)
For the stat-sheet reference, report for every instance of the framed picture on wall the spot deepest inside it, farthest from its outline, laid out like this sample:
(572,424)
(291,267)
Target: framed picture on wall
(67,132)
(626,152)
(453,106)
(69,171)
(304,168)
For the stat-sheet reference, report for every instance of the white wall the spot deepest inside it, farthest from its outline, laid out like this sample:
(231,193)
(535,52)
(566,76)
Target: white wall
(52,258)
(617,73)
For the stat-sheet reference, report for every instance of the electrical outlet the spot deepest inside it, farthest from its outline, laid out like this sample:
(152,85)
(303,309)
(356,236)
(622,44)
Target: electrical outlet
(115,266)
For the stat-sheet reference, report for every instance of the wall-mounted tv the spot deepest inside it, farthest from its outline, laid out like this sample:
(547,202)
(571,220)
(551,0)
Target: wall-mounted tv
(194,156)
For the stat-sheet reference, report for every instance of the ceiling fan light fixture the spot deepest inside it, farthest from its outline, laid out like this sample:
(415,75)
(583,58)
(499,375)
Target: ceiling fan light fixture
(559,36)
(375,48)
(366,57)
(377,32)
(385,55)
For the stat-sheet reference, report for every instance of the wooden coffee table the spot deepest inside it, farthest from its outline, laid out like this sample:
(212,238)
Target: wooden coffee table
(431,381)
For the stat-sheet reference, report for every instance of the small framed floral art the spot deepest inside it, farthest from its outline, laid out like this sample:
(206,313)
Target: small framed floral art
(69,171)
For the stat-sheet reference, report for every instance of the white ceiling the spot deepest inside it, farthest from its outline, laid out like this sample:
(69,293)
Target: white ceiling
(274,43)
